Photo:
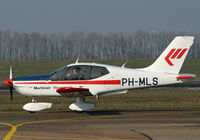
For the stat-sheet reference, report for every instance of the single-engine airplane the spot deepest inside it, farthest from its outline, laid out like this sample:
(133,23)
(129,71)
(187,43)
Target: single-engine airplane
(90,79)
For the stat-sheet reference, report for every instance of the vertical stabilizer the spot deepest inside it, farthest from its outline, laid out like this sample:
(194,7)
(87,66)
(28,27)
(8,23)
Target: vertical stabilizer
(172,58)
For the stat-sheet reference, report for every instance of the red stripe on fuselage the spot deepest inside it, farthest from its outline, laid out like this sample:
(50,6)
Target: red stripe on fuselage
(100,82)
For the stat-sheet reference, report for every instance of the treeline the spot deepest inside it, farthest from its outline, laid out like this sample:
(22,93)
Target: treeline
(35,46)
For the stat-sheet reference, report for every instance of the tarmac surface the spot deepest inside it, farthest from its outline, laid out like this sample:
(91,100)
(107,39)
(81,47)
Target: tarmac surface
(100,125)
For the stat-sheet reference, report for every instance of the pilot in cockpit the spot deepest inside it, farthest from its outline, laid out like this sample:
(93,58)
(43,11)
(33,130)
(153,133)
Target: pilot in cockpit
(74,74)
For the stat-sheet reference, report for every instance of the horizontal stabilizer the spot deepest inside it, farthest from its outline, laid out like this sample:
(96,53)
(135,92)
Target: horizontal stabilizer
(186,76)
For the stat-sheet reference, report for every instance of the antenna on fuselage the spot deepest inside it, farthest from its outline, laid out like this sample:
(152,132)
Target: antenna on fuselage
(77,60)
(124,63)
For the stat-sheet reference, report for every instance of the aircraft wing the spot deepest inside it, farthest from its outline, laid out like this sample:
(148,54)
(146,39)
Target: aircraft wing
(73,91)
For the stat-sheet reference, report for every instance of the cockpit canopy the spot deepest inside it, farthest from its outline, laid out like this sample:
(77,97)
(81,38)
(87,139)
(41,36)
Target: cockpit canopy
(78,72)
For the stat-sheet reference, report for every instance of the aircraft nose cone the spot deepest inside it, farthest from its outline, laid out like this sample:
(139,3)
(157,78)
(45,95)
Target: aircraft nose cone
(8,83)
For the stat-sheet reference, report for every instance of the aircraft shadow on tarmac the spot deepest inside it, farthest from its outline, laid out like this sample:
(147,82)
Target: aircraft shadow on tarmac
(120,112)
(116,112)
(100,112)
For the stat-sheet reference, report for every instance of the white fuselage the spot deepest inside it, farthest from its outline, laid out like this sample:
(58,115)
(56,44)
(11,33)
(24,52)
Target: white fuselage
(118,79)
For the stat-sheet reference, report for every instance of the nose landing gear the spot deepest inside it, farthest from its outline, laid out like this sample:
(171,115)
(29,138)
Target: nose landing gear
(35,106)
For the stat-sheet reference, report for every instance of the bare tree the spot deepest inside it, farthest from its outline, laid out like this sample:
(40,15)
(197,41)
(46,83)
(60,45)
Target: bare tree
(34,46)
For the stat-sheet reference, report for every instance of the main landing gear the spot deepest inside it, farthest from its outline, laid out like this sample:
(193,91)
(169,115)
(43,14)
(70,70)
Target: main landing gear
(82,105)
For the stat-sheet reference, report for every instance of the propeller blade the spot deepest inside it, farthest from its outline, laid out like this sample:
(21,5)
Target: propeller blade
(9,83)
(11,93)
(10,72)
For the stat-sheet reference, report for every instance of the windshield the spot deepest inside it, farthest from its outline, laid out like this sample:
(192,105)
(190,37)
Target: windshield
(58,74)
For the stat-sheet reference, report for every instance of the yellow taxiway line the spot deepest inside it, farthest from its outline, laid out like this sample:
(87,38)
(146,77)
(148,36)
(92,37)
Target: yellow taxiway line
(14,127)
(12,131)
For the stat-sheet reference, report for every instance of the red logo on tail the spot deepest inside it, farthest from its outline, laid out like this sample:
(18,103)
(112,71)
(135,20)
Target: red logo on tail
(174,54)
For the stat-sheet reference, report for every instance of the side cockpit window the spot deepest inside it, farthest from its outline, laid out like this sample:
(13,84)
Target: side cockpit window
(85,73)
(98,72)
(78,72)
(72,73)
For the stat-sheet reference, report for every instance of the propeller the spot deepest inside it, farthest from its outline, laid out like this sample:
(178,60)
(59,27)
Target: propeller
(11,87)
(9,83)
(11,93)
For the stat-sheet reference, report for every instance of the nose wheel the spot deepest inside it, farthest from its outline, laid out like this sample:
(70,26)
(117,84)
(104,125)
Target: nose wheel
(35,106)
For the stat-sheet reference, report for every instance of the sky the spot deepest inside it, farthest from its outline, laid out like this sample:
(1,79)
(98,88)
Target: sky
(103,16)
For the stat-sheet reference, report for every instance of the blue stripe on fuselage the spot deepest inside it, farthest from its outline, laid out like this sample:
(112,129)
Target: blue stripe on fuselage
(33,77)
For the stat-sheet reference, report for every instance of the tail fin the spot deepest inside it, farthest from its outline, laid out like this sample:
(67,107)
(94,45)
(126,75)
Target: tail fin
(172,58)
